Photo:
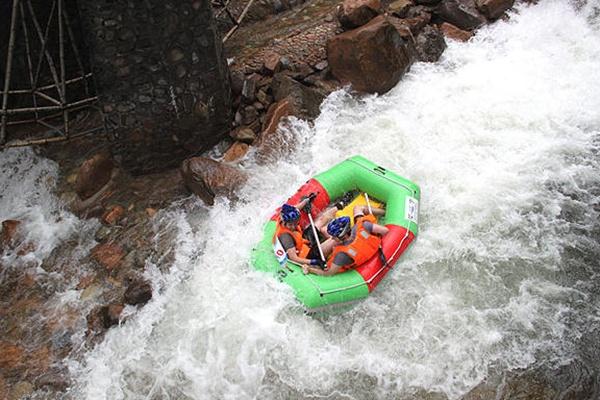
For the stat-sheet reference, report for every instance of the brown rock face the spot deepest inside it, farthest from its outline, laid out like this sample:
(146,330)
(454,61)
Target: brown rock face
(103,317)
(355,13)
(236,151)
(93,174)
(461,13)
(493,9)
(113,215)
(430,44)
(269,145)
(138,292)
(8,238)
(455,33)
(372,58)
(109,255)
(400,7)
(208,178)
(305,101)
(243,134)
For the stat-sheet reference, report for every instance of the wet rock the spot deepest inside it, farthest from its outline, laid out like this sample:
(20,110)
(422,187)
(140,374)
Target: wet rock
(271,145)
(207,178)
(109,255)
(264,97)
(526,386)
(102,234)
(322,65)
(113,313)
(3,389)
(85,282)
(102,317)
(399,8)
(237,151)
(138,292)
(414,25)
(430,44)
(249,115)
(355,13)
(54,379)
(276,112)
(249,88)
(243,134)
(93,175)
(493,9)
(11,356)
(427,2)
(300,71)
(22,390)
(10,234)
(452,32)
(272,64)
(113,215)
(305,101)
(372,58)
(461,13)
(237,82)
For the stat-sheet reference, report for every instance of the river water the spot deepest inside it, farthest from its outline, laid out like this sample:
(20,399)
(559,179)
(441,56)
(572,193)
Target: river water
(502,135)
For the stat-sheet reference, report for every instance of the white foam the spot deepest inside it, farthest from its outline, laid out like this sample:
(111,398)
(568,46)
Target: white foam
(499,134)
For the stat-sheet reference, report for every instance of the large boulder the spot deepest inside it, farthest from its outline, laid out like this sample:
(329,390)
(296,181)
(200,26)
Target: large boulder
(10,234)
(372,58)
(430,44)
(399,8)
(355,13)
(138,292)
(93,175)
(452,32)
(305,101)
(461,13)
(271,144)
(109,255)
(208,178)
(493,9)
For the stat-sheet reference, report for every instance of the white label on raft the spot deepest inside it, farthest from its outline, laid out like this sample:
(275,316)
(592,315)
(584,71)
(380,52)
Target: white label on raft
(279,252)
(411,209)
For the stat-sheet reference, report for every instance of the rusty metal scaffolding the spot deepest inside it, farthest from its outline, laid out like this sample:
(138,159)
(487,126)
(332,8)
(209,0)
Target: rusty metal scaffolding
(49,102)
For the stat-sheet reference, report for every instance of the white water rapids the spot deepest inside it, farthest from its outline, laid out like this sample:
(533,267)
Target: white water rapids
(502,136)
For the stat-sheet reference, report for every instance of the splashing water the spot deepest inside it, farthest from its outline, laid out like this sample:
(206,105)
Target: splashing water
(502,135)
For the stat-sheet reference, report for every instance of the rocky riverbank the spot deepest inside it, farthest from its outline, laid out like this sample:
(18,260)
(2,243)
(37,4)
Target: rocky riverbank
(282,65)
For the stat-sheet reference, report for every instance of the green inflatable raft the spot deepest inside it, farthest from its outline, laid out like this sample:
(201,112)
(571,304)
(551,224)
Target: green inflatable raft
(398,195)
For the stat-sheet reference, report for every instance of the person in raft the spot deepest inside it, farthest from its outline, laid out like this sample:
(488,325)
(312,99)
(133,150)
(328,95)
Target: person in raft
(295,242)
(354,245)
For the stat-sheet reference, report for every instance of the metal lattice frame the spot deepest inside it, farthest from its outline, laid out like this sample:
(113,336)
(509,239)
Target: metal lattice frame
(22,13)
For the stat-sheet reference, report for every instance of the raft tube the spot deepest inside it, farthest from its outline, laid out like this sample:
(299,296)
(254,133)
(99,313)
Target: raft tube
(401,199)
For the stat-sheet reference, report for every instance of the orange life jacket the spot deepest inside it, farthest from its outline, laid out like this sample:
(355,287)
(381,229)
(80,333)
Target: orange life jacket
(362,248)
(302,245)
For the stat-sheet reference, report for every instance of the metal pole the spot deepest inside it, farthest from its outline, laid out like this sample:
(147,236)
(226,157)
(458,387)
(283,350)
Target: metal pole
(29,63)
(44,51)
(11,46)
(76,51)
(61,40)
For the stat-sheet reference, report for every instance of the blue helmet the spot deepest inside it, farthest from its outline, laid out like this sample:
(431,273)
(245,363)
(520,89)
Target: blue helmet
(289,213)
(339,226)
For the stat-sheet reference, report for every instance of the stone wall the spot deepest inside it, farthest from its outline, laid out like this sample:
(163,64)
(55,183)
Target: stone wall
(162,78)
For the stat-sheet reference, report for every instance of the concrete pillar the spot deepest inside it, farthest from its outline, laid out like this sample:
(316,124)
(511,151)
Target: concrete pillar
(162,78)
